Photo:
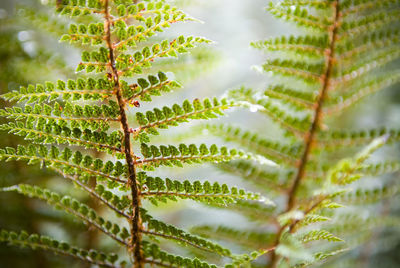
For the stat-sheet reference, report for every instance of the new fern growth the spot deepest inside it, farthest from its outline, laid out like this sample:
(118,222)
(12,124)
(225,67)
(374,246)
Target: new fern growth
(344,56)
(70,124)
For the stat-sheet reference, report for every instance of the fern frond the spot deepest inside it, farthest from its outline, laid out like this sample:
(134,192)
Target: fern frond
(154,255)
(300,17)
(328,68)
(371,40)
(311,219)
(140,11)
(145,88)
(366,169)
(35,241)
(339,138)
(297,125)
(292,248)
(299,99)
(74,208)
(246,259)
(351,223)
(367,64)
(66,160)
(157,189)
(271,180)
(166,117)
(171,156)
(79,8)
(106,197)
(319,4)
(344,172)
(167,231)
(246,238)
(315,235)
(74,90)
(118,203)
(352,7)
(254,210)
(293,124)
(364,196)
(310,46)
(360,91)
(321,256)
(56,134)
(115,42)
(129,36)
(342,57)
(280,153)
(373,22)
(131,64)
(317,42)
(92,34)
(377,169)
(309,73)
(190,66)
(91,117)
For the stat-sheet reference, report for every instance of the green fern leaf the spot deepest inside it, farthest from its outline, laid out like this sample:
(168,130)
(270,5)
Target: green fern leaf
(154,255)
(66,160)
(280,153)
(145,88)
(34,241)
(89,89)
(319,235)
(300,16)
(246,238)
(74,208)
(167,231)
(171,156)
(270,180)
(157,189)
(177,114)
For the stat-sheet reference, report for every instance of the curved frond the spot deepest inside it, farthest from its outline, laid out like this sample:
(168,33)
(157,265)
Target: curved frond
(159,190)
(74,208)
(166,117)
(72,90)
(300,17)
(170,155)
(68,161)
(276,151)
(35,241)
(160,229)
(246,238)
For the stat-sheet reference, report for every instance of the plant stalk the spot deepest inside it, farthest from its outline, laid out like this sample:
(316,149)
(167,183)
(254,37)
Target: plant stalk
(135,220)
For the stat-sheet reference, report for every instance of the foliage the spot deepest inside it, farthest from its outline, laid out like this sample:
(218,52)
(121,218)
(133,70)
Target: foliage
(345,54)
(90,126)
(82,127)
(15,61)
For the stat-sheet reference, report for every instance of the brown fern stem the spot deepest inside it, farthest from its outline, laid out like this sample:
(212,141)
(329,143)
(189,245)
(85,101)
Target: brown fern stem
(134,221)
(309,137)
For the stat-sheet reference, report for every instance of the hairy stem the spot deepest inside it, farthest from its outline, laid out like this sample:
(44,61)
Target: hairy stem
(134,221)
(309,137)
